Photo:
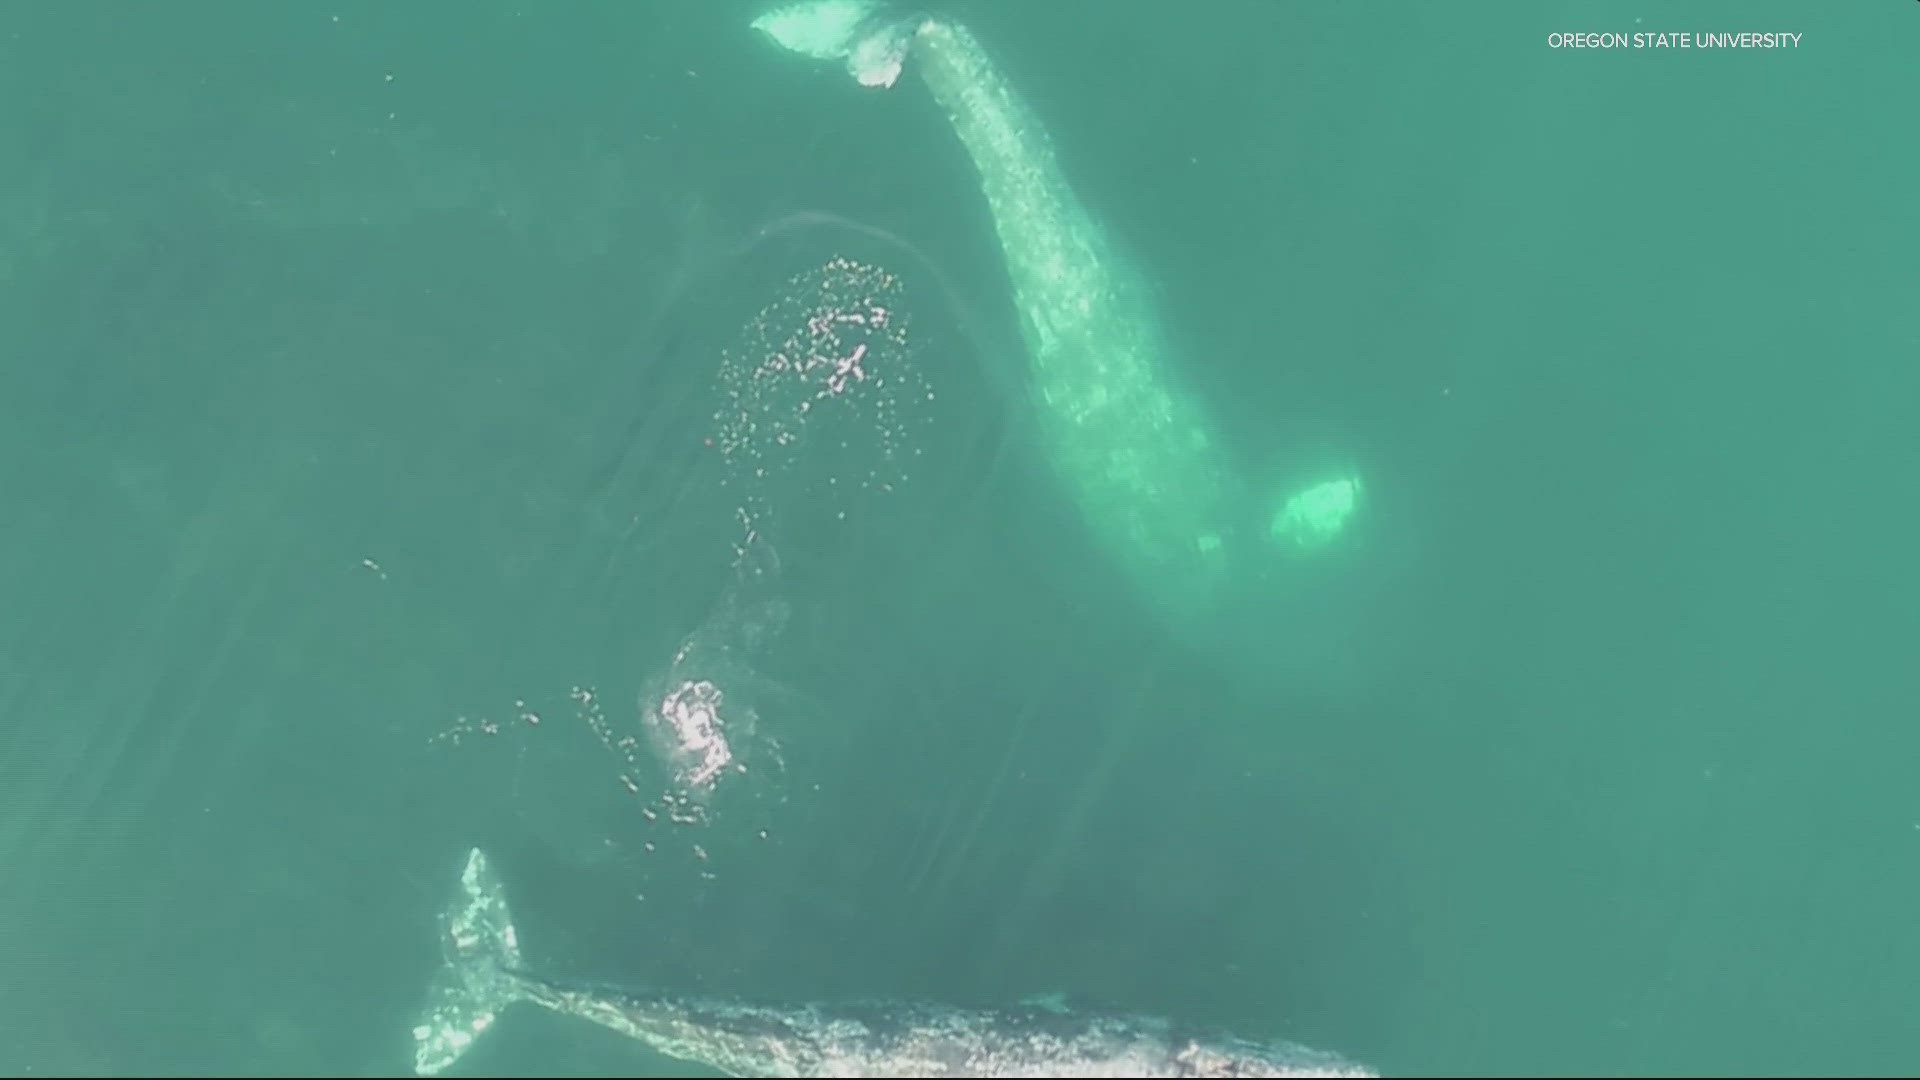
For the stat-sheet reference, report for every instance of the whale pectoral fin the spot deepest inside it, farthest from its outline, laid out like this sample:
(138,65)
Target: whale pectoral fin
(1314,516)
(1052,1001)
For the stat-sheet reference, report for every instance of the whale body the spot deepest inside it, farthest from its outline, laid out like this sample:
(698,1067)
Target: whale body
(484,973)
(1137,452)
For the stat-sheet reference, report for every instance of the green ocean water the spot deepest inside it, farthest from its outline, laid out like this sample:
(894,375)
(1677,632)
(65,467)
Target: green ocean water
(356,394)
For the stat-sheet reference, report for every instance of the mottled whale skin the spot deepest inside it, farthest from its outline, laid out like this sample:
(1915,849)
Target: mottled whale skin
(1133,448)
(484,974)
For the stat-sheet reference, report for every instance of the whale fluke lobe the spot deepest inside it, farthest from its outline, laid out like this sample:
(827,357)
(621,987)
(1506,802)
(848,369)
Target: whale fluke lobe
(858,31)
(480,950)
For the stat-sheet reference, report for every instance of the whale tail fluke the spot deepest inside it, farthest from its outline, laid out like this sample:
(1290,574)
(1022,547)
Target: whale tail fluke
(478,978)
(867,34)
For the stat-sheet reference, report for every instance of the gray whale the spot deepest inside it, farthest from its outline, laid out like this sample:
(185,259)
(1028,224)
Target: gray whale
(1135,450)
(484,973)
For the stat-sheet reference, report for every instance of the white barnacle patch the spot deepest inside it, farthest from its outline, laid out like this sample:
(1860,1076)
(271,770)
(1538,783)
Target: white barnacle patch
(691,735)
